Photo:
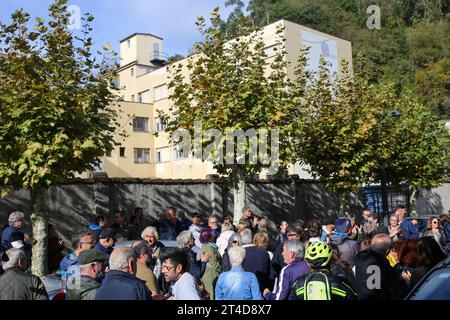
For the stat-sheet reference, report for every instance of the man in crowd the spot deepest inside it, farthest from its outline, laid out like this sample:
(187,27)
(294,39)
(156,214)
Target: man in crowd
(106,241)
(384,283)
(174,268)
(119,226)
(183,223)
(293,251)
(247,217)
(196,229)
(92,270)
(213,223)
(410,228)
(120,282)
(293,232)
(143,254)
(12,237)
(82,240)
(15,283)
(100,222)
(167,229)
(348,249)
(185,241)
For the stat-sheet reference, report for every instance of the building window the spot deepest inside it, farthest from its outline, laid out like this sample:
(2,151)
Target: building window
(132,72)
(144,96)
(180,153)
(129,43)
(160,92)
(270,51)
(160,126)
(122,152)
(158,156)
(156,51)
(141,155)
(109,153)
(140,124)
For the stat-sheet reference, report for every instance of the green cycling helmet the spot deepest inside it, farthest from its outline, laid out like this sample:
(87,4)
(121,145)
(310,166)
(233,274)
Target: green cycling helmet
(318,255)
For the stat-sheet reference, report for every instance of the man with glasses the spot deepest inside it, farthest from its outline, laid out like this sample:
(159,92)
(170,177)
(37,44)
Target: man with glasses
(82,240)
(174,268)
(293,232)
(213,223)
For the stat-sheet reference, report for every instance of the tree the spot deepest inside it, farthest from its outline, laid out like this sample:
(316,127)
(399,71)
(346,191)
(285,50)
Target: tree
(355,133)
(231,88)
(57,109)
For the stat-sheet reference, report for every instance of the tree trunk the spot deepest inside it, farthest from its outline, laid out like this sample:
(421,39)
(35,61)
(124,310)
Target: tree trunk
(344,205)
(39,225)
(239,198)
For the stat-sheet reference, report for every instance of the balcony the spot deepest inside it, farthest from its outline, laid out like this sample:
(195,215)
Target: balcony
(158,58)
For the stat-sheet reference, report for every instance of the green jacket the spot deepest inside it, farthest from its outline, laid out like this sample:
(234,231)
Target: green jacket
(87,290)
(213,268)
(18,285)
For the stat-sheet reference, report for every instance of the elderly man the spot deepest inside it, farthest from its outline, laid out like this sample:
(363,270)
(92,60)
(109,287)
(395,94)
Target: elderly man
(174,267)
(15,284)
(12,237)
(92,269)
(120,282)
(156,248)
(82,240)
(167,228)
(247,217)
(142,250)
(213,223)
(384,283)
(185,241)
(293,251)
(237,284)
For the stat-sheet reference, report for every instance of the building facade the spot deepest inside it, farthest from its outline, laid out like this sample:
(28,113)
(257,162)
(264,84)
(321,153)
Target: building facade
(144,79)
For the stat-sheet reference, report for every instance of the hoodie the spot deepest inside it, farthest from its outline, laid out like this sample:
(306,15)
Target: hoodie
(348,248)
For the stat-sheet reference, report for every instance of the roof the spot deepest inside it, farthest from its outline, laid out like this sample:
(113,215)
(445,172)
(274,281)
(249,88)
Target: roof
(139,33)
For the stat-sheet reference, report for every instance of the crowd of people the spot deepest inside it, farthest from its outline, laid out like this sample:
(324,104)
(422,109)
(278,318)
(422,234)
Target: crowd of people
(217,259)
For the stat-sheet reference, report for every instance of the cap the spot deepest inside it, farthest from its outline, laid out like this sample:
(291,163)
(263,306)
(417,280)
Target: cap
(196,215)
(107,233)
(91,255)
(343,225)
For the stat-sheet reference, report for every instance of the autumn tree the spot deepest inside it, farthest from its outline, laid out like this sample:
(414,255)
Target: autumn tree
(57,113)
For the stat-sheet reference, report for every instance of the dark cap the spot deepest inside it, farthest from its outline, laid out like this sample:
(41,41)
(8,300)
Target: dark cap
(196,215)
(343,225)
(91,255)
(107,233)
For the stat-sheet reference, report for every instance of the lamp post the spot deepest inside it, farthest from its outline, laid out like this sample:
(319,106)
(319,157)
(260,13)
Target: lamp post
(384,196)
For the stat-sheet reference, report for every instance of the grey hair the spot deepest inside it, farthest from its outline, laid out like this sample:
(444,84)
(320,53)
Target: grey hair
(150,229)
(381,243)
(14,255)
(120,257)
(140,248)
(246,236)
(296,247)
(183,238)
(236,256)
(245,209)
(15,216)
(226,226)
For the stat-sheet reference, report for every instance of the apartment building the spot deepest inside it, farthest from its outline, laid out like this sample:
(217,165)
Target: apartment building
(144,78)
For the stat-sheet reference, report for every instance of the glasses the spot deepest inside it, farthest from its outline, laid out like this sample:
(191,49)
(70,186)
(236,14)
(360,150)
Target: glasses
(292,235)
(235,241)
(435,222)
(167,268)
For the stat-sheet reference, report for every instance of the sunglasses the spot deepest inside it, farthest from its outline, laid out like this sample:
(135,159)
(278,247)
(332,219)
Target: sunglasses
(235,241)
(435,222)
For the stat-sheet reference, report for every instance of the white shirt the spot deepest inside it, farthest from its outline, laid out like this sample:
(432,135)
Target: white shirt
(222,241)
(185,288)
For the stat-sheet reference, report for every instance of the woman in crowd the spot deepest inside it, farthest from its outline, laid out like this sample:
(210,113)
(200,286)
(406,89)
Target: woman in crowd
(211,260)
(261,240)
(434,230)
(394,228)
(282,236)
(222,241)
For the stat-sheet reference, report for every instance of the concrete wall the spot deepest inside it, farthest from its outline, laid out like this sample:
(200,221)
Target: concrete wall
(75,205)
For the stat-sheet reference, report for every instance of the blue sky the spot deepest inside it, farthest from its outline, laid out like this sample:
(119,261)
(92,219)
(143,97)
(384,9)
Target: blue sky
(173,20)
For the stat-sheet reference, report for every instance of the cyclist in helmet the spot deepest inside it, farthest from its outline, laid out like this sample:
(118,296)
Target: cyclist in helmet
(320,284)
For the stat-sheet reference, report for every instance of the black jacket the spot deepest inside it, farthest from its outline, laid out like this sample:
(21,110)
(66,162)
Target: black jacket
(373,285)
(339,288)
(120,285)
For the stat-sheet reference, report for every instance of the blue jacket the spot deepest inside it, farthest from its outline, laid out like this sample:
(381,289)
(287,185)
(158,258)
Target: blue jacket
(167,230)
(120,285)
(287,277)
(69,260)
(410,231)
(196,265)
(12,234)
(108,251)
(237,284)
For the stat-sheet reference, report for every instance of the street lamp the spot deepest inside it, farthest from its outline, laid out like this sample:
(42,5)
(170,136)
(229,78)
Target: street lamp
(384,198)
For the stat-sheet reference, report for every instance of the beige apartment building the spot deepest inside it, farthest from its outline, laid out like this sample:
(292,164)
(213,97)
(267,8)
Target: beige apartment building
(144,78)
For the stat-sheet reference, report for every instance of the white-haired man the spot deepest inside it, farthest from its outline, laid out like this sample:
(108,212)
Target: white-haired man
(157,248)
(293,252)
(120,282)
(12,237)
(16,284)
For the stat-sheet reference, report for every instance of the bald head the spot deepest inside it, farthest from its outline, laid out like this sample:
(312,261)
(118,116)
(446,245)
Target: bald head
(381,243)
